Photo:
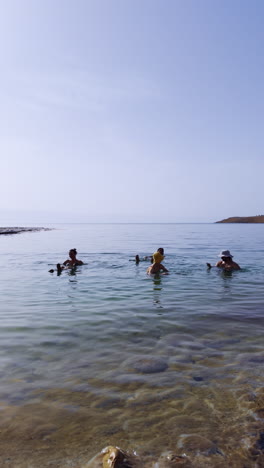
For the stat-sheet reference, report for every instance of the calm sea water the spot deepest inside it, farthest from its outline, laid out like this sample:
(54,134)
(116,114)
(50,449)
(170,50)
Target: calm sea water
(108,355)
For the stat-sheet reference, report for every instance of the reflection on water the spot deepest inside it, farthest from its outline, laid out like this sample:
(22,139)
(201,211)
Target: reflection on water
(105,355)
(157,288)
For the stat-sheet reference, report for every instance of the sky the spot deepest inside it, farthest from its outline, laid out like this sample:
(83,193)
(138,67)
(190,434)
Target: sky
(131,110)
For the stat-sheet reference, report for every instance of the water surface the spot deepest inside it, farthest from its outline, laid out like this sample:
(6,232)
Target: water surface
(108,355)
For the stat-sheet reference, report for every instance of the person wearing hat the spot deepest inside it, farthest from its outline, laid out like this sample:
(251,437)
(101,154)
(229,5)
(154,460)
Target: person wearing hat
(226,262)
(157,266)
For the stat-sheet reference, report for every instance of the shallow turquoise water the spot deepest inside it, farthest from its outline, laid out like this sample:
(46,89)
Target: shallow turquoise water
(120,339)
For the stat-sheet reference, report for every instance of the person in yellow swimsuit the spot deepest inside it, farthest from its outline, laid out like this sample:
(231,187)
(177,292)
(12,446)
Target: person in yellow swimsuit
(157,266)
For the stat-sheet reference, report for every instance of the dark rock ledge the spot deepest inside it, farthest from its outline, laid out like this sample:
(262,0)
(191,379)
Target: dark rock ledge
(18,230)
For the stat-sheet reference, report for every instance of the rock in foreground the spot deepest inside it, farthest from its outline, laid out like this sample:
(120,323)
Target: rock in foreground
(113,457)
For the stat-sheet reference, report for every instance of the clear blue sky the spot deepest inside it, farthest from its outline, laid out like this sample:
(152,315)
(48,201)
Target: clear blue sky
(131,110)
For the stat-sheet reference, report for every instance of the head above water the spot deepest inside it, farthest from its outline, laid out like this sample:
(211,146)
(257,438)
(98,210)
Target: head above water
(158,256)
(225,254)
(72,253)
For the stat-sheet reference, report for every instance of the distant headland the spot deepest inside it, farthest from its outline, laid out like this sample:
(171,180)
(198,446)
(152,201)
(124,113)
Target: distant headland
(18,230)
(243,219)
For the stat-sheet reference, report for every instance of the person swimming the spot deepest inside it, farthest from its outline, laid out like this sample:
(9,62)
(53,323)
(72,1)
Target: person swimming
(73,260)
(137,259)
(157,266)
(226,262)
(59,269)
(148,258)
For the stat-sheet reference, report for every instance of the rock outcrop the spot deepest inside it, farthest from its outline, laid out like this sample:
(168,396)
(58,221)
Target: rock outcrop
(18,230)
(243,219)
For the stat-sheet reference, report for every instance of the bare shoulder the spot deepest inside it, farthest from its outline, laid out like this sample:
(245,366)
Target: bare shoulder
(236,266)
(219,264)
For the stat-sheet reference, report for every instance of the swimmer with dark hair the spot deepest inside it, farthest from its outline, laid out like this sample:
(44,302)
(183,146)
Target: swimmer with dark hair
(73,261)
(70,263)
(148,258)
(136,259)
(59,269)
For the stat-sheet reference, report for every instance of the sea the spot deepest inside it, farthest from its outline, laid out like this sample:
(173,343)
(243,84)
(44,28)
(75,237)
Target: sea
(167,367)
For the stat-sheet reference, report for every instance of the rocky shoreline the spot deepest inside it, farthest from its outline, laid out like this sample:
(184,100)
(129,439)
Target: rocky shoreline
(215,429)
(243,219)
(18,230)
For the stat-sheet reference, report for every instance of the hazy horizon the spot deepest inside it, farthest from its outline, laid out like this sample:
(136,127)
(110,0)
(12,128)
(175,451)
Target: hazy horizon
(15,218)
(20,220)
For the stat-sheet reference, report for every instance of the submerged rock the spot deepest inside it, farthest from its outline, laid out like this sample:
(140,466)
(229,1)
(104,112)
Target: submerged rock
(260,442)
(170,460)
(180,341)
(176,339)
(146,364)
(113,457)
(196,444)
